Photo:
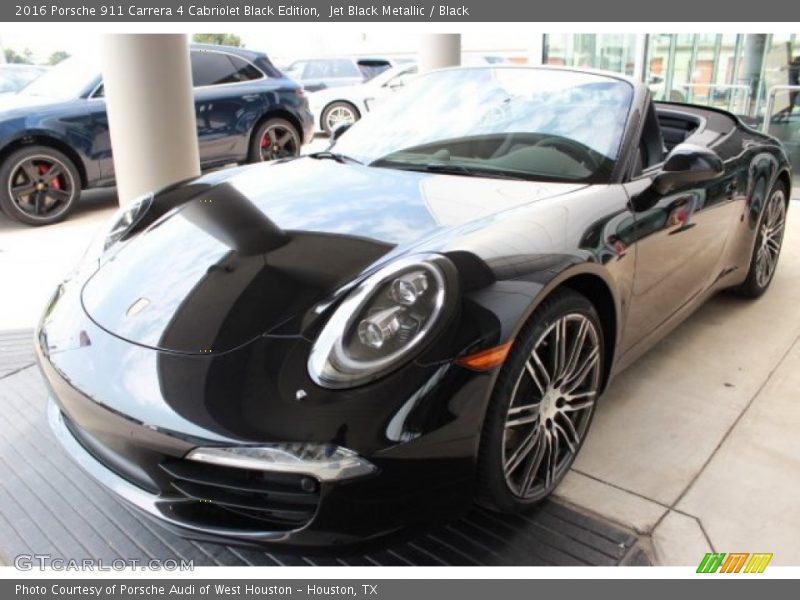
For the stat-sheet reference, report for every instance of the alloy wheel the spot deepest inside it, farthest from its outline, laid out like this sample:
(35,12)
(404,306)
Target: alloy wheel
(278,141)
(339,115)
(551,406)
(770,238)
(40,186)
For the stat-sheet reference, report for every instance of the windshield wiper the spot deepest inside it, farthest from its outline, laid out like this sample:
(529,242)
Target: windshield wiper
(446,169)
(449,169)
(338,157)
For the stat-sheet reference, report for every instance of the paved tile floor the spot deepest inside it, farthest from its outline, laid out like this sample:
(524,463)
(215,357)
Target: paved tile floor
(48,506)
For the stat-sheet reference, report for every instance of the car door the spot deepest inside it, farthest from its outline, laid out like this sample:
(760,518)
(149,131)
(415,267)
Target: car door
(228,102)
(101,137)
(680,237)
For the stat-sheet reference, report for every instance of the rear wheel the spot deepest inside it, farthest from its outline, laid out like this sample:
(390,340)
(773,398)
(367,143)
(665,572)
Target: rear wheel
(767,250)
(337,114)
(275,138)
(542,404)
(38,185)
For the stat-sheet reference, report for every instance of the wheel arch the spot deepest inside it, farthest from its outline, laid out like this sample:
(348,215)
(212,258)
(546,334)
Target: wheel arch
(593,282)
(38,139)
(786,178)
(598,292)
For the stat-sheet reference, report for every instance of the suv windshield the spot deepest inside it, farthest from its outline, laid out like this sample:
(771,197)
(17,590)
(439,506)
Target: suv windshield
(68,79)
(535,124)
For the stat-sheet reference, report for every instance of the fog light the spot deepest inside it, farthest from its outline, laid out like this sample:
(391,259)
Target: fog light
(325,462)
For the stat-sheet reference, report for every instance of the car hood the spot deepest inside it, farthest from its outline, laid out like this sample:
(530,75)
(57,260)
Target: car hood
(12,105)
(254,248)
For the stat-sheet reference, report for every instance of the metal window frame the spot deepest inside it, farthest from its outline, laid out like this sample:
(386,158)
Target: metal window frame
(770,107)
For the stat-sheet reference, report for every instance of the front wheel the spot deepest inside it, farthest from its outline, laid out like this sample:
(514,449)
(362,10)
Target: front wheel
(542,404)
(338,114)
(767,250)
(273,139)
(38,185)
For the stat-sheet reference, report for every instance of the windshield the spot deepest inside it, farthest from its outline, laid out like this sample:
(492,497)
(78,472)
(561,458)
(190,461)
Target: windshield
(533,124)
(13,79)
(390,74)
(68,79)
(295,70)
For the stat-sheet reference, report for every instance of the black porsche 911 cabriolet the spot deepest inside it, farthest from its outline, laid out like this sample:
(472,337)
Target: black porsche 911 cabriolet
(324,349)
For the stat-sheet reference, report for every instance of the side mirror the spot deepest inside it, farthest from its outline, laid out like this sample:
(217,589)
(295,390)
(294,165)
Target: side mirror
(688,164)
(339,131)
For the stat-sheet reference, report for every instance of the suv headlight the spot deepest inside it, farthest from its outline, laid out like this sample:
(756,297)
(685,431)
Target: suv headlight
(382,322)
(117,226)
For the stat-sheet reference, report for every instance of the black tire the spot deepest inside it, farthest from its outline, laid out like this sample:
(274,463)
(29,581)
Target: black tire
(508,492)
(38,185)
(273,139)
(757,281)
(343,106)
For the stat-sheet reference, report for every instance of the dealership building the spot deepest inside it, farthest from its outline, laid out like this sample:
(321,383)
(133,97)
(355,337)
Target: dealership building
(753,75)
(756,76)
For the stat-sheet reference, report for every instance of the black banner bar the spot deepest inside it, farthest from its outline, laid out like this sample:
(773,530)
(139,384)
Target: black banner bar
(398,11)
(393,589)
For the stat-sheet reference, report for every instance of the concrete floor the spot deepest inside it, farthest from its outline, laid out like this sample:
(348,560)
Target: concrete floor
(695,446)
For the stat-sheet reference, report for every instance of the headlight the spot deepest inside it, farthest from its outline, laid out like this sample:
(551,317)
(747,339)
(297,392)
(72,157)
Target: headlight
(382,322)
(117,226)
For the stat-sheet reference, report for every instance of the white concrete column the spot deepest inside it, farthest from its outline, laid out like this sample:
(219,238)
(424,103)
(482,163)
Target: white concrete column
(640,57)
(439,50)
(148,88)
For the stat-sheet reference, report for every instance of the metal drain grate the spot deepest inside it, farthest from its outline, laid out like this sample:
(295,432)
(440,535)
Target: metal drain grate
(49,506)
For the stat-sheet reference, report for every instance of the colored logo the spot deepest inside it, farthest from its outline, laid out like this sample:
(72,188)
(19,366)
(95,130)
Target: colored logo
(734,562)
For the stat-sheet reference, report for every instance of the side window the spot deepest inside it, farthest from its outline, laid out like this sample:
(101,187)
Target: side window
(244,70)
(215,68)
(344,68)
(316,69)
(99,92)
(296,69)
(372,68)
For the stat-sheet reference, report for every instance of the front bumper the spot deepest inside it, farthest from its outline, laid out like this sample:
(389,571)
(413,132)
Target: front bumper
(165,509)
(115,412)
